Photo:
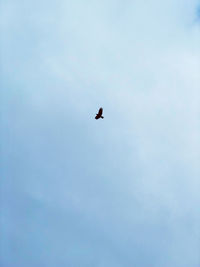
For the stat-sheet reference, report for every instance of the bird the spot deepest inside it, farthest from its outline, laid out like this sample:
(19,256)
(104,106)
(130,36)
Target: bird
(99,114)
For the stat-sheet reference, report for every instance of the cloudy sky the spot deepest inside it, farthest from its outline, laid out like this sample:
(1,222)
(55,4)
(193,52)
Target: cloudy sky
(118,192)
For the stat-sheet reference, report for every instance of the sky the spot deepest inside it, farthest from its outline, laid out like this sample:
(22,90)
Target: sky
(117,192)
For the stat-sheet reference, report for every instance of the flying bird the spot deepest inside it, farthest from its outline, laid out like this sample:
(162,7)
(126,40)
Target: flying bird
(99,114)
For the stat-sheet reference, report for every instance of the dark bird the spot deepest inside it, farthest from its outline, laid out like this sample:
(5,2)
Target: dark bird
(99,114)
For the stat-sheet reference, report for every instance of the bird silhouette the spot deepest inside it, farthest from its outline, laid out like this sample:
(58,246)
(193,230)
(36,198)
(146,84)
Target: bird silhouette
(99,114)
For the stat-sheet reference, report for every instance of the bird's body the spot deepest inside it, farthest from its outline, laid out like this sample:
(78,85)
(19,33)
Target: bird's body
(99,114)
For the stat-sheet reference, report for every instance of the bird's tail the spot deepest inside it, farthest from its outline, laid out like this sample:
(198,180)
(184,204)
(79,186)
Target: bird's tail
(102,117)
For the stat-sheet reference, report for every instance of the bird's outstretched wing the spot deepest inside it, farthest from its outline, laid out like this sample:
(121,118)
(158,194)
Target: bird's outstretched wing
(100,111)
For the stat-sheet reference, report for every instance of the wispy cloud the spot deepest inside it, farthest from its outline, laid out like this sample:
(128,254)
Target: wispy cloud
(121,192)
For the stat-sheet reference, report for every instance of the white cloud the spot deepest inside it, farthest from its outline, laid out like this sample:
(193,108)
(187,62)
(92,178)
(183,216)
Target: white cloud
(134,175)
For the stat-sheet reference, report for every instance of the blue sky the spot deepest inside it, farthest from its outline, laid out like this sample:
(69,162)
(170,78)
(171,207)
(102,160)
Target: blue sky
(120,192)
